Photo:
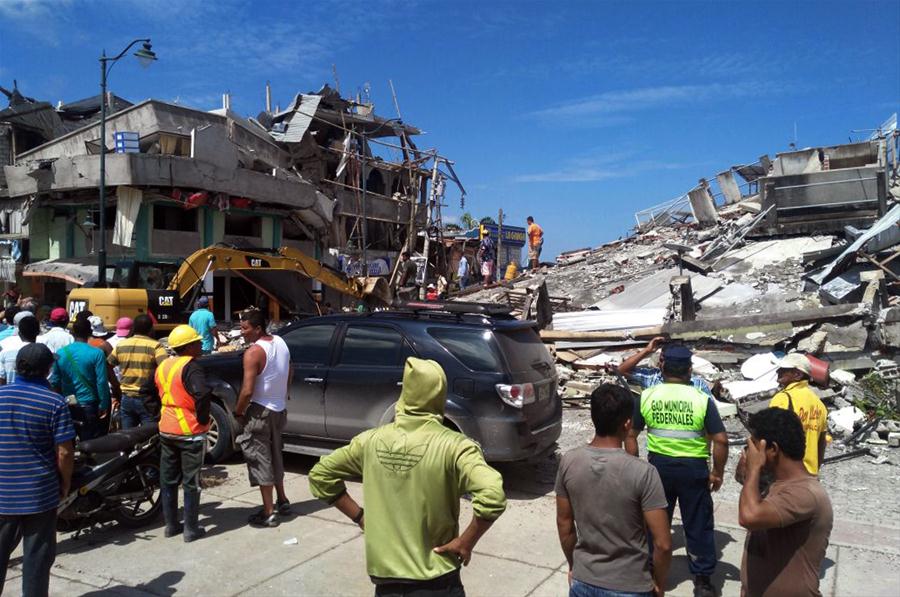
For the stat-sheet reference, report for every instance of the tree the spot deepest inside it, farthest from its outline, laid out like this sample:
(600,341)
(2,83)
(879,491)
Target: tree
(488,220)
(467,221)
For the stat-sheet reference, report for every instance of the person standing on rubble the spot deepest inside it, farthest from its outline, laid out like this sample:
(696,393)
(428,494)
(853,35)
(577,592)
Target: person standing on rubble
(486,255)
(793,378)
(681,420)
(648,377)
(204,322)
(407,287)
(790,528)
(535,243)
(462,272)
(414,472)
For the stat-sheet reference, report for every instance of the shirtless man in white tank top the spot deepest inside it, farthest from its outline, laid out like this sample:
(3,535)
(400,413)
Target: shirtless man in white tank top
(261,410)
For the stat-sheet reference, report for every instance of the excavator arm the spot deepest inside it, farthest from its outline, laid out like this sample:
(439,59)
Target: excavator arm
(220,258)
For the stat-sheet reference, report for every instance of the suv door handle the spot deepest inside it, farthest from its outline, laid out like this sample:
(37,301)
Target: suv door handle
(399,384)
(313,379)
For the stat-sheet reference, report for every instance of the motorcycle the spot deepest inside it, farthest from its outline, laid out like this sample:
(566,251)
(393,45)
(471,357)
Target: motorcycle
(115,475)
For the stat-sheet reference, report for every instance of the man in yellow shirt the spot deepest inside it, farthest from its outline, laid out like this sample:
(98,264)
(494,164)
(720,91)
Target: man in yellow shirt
(796,395)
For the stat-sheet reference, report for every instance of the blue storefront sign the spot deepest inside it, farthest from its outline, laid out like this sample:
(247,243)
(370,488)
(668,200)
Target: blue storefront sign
(512,235)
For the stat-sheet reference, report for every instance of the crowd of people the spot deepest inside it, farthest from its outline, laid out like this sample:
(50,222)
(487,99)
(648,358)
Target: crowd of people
(78,379)
(410,279)
(614,509)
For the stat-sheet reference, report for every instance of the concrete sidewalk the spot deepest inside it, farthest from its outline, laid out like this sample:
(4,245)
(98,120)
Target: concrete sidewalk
(519,556)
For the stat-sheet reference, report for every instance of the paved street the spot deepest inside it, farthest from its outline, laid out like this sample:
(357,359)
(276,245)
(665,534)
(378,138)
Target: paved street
(519,556)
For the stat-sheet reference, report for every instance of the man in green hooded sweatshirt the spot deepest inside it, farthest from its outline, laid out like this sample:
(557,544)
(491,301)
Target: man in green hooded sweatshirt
(414,472)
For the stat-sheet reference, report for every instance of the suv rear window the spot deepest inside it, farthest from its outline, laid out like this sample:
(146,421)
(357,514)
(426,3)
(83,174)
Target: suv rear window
(471,347)
(524,350)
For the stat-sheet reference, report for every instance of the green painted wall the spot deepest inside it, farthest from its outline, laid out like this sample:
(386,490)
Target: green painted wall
(218,228)
(39,234)
(142,231)
(277,222)
(208,219)
(79,244)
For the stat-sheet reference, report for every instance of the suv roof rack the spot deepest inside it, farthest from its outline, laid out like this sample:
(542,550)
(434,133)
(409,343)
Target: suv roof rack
(456,308)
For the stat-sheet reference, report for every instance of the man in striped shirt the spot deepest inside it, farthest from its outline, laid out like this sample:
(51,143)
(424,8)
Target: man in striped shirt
(36,461)
(137,358)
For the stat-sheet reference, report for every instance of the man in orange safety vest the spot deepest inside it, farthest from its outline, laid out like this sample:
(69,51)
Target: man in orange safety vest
(183,423)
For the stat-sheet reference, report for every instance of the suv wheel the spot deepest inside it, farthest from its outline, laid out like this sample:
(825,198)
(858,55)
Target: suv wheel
(219,438)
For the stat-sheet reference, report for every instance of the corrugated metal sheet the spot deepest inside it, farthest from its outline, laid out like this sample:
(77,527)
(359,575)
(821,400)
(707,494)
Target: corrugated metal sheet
(300,121)
(653,291)
(621,319)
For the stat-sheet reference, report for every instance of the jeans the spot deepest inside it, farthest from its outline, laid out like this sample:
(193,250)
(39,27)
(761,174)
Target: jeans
(448,585)
(686,480)
(88,422)
(39,533)
(133,412)
(582,589)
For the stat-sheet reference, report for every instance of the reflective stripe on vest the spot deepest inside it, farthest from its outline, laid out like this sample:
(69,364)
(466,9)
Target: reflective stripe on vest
(675,414)
(177,415)
(676,433)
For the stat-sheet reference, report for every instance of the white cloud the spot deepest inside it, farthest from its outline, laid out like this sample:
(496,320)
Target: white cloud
(593,168)
(611,105)
(39,18)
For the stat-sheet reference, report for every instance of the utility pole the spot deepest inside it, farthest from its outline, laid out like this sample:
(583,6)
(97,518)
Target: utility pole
(499,241)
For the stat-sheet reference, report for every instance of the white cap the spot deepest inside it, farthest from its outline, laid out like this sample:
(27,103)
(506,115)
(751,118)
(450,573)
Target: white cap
(795,360)
(20,316)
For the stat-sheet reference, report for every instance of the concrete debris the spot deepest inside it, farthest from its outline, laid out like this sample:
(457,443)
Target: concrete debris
(778,260)
(843,421)
(843,377)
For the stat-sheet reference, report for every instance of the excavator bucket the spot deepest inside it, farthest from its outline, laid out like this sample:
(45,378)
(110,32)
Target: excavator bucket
(376,291)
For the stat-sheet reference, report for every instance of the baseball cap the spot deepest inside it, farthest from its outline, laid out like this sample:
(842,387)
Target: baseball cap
(123,326)
(32,358)
(20,316)
(677,354)
(59,315)
(203,301)
(795,360)
(97,327)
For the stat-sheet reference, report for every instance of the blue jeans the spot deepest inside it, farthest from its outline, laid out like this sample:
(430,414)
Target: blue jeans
(686,480)
(582,589)
(88,422)
(133,412)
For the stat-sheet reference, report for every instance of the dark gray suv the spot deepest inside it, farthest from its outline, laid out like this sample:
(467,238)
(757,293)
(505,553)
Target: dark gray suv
(348,371)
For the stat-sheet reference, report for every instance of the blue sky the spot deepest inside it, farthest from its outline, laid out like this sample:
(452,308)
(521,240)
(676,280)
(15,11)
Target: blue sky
(578,113)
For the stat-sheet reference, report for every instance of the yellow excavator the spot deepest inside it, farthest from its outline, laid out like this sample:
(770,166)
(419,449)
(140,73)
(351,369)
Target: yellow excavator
(143,287)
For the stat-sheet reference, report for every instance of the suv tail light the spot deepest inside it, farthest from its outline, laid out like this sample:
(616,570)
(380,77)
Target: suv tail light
(516,395)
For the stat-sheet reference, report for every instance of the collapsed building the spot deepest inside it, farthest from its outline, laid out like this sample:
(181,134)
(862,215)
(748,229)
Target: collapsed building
(326,175)
(795,253)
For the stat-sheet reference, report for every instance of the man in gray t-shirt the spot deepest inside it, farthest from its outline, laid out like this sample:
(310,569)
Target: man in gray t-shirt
(612,498)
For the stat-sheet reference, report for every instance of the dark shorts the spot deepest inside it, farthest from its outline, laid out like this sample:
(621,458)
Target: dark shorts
(260,441)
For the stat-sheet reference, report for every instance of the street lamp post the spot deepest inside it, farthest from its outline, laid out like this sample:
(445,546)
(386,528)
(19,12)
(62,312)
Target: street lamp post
(146,56)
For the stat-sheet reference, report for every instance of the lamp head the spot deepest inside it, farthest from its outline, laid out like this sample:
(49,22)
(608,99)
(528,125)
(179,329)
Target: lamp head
(146,56)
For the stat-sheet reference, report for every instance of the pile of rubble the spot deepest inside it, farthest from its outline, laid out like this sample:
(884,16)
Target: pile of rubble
(798,262)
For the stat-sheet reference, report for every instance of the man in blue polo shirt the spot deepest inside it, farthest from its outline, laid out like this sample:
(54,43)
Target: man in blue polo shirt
(36,460)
